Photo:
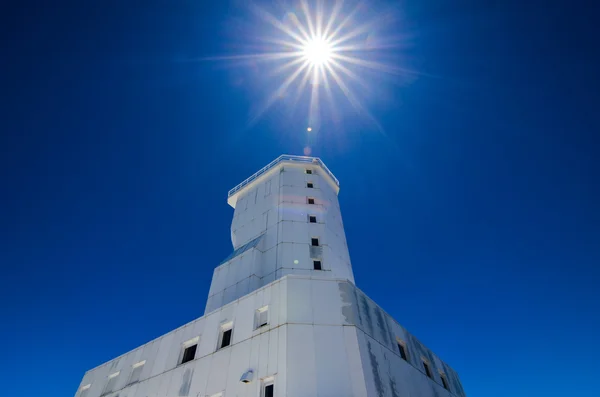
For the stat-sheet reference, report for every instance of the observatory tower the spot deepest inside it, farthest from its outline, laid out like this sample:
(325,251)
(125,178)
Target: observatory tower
(283,316)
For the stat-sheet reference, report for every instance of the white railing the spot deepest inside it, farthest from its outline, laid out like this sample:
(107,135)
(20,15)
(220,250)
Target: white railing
(283,157)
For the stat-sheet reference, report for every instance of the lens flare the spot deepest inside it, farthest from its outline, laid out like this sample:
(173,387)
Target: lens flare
(330,48)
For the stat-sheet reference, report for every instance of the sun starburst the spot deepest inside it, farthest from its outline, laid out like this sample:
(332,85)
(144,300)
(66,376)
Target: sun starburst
(322,50)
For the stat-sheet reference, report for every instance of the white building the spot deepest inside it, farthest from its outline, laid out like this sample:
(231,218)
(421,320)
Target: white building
(283,316)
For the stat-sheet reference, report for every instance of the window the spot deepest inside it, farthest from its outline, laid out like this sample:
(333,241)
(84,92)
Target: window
(402,350)
(311,200)
(225,335)
(309,185)
(110,385)
(444,381)
(314,242)
(261,317)
(308,171)
(83,391)
(136,371)
(268,387)
(427,370)
(312,218)
(317,265)
(189,353)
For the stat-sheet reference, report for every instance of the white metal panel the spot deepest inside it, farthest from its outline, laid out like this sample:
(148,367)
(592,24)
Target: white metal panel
(332,371)
(326,302)
(200,378)
(238,364)
(355,366)
(217,380)
(300,361)
(263,353)
(273,351)
(299,301)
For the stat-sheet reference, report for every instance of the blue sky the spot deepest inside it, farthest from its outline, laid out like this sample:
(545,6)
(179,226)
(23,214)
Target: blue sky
(472,215)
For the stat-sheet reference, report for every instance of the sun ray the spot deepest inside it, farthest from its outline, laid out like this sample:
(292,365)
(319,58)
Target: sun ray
(266,56)
(294,18)
(321,54)
(268,17)
(350,74)
(373,65)
(345,21)
(279,92)
(353,100)
(309,23)
(314,97)
(334,13)
(286,66)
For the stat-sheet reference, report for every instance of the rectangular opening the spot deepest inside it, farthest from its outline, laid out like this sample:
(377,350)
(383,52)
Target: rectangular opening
(317,265)
(311,200)
(268,387)
(402,350)
(309,185)
(308,171)
(189,353)
(225,335)
(269,390)
(261,318)
(312,218)
(314,242)
(444,381)
(427,369)
(136,372)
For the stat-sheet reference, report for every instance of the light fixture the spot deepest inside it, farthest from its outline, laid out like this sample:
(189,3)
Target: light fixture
(247,376)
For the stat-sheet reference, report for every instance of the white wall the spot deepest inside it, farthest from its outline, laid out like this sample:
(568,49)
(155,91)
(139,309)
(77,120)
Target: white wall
(325,338)
(275,207)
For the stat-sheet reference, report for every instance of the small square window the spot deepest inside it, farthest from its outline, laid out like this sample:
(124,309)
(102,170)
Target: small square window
(225,335)
(317,265)
(261,318)
(312,218)
(189,353)
(308,171)
(309,185)
(444,381)
(427,369)
(402,350)
(314,242)
(311,200)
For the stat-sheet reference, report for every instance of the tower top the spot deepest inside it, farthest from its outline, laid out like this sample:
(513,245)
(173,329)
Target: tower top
(284,158)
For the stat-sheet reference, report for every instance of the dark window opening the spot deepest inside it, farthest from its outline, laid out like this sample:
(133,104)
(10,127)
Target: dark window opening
(312,219)
(317,265)
(402,352)
(189,354)
(444,382)
(226,341)
(311,200)
(314,242)
(269,390)
(309,172)
(427,370)
(309,185)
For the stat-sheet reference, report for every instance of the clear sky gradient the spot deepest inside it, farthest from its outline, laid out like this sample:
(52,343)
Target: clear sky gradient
(472,216)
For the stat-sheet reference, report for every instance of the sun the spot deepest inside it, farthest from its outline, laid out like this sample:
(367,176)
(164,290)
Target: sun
(328,50)
(317,51)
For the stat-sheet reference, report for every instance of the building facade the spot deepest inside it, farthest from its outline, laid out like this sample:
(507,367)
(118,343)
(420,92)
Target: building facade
(283,317)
